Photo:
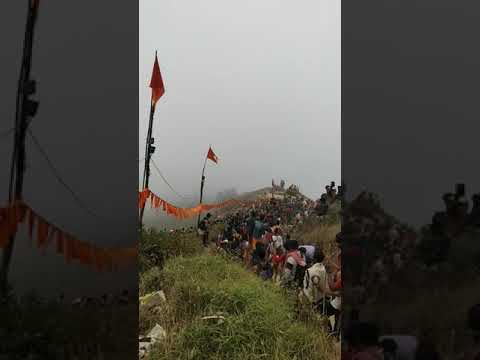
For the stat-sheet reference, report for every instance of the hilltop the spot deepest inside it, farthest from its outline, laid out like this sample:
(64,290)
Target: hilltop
(211,307)
(161,221)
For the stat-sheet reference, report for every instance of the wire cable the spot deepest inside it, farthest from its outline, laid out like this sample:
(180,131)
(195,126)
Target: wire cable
(165,180)
(55,172)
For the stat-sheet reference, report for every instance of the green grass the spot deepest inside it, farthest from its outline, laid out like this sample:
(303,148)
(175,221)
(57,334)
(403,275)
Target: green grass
(164,245)
(318,234)
(260,322)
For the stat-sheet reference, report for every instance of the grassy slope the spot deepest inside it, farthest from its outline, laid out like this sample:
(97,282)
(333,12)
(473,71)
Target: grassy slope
(258,323)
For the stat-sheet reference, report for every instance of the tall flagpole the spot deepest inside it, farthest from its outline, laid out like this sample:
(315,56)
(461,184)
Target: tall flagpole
(201,187)
(149,150)
(25,111)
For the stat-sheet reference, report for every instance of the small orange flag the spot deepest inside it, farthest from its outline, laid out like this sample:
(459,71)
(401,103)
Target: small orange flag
(211,155)
(156,83)
(42,232)
(60,241)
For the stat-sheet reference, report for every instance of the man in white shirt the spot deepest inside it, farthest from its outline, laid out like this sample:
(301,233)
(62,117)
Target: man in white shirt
(277,240)
(316,288)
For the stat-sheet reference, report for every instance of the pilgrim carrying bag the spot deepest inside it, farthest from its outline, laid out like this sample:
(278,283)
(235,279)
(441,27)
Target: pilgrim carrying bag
(300,275)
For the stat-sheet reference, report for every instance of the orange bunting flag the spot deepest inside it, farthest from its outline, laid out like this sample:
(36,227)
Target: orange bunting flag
(143,198)
(60,241)
(20,211)
(184,213)
(31,222)
(156,83)
(7,226)
(66,244)
(157,201)
(4,234)
(152,198)
(68,252)
(12,219)
(98,259)
(42,232)
(211,155)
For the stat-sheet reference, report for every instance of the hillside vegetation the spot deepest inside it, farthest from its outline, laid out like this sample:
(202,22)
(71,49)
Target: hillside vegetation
(252,318)
(258,318)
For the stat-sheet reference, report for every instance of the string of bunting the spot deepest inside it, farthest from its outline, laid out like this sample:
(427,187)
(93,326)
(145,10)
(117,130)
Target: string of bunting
(99,258)
(181,213)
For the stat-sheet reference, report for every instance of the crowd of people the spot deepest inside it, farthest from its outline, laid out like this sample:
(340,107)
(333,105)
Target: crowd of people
(378,249)
(379,252)
(364,342)
(375,247)
(260,235)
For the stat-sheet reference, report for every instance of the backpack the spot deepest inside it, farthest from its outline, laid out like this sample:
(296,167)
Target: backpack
(300,275)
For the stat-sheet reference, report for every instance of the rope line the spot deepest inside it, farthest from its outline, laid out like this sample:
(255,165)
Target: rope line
(56,173)
(165,180)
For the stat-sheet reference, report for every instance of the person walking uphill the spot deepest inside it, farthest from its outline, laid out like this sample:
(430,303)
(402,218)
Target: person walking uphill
(294,267)
(317,289)
(203,229)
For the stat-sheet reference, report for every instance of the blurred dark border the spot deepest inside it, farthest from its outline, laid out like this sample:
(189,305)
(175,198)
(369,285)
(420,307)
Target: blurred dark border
(410,75)
(81,175)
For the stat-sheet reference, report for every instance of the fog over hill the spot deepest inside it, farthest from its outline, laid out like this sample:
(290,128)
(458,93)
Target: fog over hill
(160,220)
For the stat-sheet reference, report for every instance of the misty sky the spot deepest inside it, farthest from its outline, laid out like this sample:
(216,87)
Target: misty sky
(259,80)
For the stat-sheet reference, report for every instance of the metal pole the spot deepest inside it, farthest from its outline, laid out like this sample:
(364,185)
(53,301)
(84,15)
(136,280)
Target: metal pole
(21,124)
(201,190)
(148,155)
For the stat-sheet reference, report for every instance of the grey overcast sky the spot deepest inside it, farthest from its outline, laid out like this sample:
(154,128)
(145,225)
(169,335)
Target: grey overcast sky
(259,80)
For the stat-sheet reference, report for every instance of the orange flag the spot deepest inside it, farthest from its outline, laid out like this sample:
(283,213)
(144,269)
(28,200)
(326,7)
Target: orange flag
(60,241)
(152,198)
(6,227)
(12,219)
(156,202)
(99,260)
(156,83)
(68,246)
(20,210)
(143,196)
(42,232)
(4,234)
(31,222)
(211,155)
